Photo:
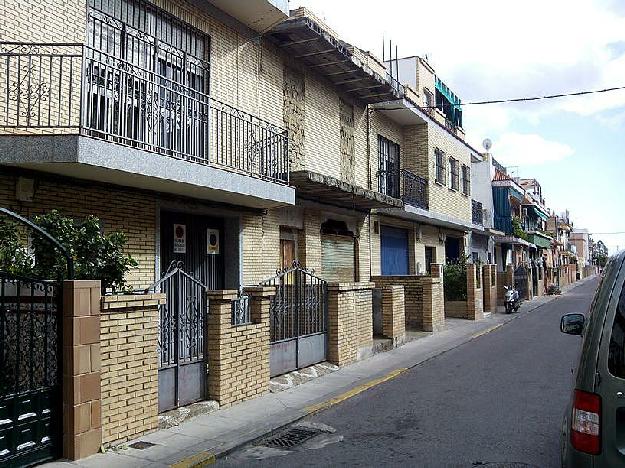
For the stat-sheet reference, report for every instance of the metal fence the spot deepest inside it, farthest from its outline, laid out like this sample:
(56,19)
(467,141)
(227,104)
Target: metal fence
(70,86)
(414,190)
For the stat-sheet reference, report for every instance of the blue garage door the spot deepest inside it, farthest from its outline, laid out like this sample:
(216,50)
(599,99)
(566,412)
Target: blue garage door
(394,250)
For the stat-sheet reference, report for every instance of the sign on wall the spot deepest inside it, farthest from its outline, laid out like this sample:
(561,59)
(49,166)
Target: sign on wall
(212,241)
(180,238)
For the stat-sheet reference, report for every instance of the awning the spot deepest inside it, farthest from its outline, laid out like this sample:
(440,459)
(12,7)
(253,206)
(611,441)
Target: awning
(326,189)
(538,212)
(302,38)
(511,240)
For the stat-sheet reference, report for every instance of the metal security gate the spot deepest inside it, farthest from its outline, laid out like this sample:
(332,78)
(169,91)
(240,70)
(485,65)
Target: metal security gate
(30,361)
(520,281)
(182,369)
(298,320)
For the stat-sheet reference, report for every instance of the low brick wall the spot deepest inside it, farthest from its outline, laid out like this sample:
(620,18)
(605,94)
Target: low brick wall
(456,309)
(128,339)
(489,287)
(473,307)
(393,314)
(423,298)
(590,271)
(350,321)
(238,356)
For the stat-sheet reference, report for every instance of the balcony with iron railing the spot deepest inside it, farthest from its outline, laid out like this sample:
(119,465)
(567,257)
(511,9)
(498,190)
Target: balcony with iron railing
(477,213)
(414,190)
(72,89)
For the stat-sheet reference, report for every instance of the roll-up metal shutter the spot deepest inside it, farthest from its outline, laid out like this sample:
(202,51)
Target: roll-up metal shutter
(337,258)
(394,251)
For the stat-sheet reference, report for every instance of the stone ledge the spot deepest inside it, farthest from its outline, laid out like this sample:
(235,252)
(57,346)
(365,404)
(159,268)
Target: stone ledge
(350,286)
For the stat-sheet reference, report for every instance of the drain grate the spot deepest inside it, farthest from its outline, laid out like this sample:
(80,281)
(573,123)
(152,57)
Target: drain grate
(291,438)
(141,445)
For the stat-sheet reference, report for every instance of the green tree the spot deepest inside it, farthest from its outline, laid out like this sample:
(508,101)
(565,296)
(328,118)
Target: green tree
(96,255)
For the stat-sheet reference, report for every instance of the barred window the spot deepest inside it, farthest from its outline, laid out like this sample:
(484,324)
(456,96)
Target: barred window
(388,173)
(466,180)
(455,173)
(441,167)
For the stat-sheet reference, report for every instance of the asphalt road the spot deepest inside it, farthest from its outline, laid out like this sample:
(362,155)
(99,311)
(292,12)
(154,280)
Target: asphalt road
(495,401)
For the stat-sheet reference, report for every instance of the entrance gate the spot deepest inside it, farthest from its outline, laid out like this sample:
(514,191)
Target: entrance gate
(298,320)
(520,281)
(30,362)
(182,368)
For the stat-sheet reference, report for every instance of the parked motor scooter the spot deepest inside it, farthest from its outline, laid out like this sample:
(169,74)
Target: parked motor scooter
(512,301)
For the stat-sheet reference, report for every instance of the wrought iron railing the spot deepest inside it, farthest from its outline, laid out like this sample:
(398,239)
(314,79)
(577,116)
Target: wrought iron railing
(477,212)
(388,183)
(241,310)
(70,87)
(414,189)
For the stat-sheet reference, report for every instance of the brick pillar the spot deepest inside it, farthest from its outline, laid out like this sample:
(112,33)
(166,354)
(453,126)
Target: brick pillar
(82,429)
(433,299)
(238,356)
(393,314)
(350,321)
(475,308)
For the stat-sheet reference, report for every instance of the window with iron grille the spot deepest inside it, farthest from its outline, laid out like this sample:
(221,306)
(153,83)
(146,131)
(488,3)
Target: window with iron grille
(441,167)
(388,174)
(455,173)
(466,180)
(150,76)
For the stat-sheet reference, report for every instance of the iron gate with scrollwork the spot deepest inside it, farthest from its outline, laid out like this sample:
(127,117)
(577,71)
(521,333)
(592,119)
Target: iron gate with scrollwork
(298,319)
(520,281)
(30,358)
(182,368)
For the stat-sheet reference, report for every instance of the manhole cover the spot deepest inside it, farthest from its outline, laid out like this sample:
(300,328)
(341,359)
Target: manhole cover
(289,439)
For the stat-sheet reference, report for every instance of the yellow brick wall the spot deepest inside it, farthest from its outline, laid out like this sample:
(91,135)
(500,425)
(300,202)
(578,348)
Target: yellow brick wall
(43,21)
(442,198)
(238,356)
(128,343)
(133,213)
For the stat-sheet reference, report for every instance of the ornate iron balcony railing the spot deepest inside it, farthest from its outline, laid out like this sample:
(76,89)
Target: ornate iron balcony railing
(414,190)
(69,88)
(477,213)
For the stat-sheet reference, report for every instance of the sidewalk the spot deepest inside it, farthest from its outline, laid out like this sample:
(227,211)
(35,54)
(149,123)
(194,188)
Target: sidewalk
(201,439)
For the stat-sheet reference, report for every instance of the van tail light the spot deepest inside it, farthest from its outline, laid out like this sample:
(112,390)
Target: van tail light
(586,422)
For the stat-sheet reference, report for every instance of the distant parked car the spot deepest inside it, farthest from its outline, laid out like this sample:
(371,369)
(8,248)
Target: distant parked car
(593,430)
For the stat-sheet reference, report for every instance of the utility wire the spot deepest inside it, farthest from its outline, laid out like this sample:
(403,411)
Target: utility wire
(522,99)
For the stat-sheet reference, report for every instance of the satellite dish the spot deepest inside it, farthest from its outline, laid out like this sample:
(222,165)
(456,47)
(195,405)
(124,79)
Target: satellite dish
(487,144)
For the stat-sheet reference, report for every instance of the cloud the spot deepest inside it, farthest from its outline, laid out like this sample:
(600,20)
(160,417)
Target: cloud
(518,149)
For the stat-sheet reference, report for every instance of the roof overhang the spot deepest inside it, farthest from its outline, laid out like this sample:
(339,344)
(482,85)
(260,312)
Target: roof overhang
(329,190)
(302,38)
(422,216)
(402,112)
(258,15)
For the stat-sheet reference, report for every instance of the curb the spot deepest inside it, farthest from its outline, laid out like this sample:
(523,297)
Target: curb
(207,458)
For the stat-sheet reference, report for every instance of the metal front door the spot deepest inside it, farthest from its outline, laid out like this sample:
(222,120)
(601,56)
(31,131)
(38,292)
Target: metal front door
(182,368)
(520,281)
(192,258)
(30,382)
(30,359)
(298,320)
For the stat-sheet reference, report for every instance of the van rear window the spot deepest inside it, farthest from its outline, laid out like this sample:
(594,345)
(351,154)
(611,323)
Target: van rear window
(616,352)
